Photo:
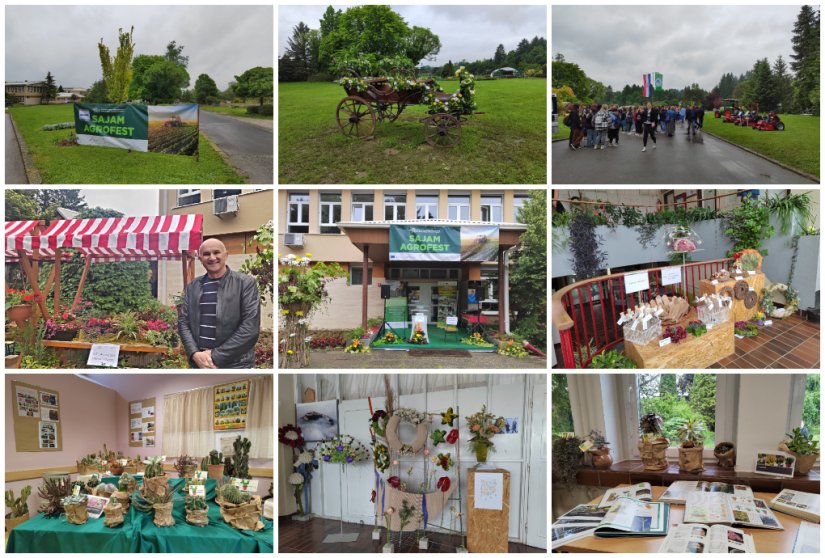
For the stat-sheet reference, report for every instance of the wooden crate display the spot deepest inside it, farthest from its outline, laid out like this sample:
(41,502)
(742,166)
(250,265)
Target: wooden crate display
(487,529)
(692,352)
(738,313)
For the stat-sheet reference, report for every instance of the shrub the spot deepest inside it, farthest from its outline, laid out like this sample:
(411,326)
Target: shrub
(253,109)
(327,342)
(265,110)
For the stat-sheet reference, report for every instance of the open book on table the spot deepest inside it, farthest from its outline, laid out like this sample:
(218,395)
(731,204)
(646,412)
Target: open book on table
(698,538)
(807,539)
(578,523)
(625,518)
(677,492)
(641,491)
(730,509)
(799,504)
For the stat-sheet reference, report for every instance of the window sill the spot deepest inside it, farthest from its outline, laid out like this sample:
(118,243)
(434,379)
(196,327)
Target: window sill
(632,472)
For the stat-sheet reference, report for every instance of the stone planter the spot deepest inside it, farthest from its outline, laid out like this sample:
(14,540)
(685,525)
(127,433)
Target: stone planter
(601,458)
(243,516)
(122,498)
(77,514)
(804,463)
(653,454)
(13,522)
(690,459)
(163,515)
(725,453)
(114,514)
(19,313)
(215,471)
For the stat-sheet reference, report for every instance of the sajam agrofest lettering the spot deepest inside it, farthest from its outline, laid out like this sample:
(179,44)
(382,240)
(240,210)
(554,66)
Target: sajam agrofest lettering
(102,124)
(426,242)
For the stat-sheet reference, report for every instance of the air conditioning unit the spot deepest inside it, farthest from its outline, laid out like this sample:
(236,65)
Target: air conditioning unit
(225,206)
(293,239)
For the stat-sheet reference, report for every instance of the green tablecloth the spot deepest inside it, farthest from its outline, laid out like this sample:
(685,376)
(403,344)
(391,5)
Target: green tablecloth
(139,534)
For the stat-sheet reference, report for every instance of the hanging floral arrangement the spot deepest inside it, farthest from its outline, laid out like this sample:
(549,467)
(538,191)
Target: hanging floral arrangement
(483,426)
(342,449)
(291,436)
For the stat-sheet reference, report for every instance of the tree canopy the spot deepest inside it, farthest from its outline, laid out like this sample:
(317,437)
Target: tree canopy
(157,79)
(117,70)
(257,82)
(528,293)
(206,91)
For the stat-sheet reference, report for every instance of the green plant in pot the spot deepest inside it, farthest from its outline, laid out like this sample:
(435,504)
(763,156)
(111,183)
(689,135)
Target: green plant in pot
(185,466)
(17,508)
(567,458)
(611,359)
(213,463)
(196,510)
(691,433)
(652,443)
(801,445)
(599,450)
(240,458)
(154,479)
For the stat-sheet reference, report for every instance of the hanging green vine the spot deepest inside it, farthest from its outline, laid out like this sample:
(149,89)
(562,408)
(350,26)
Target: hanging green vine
(748,225)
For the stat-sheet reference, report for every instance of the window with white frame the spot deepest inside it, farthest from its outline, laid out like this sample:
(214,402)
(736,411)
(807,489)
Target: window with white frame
(491,209)
(458,208)
(330,213)
(562,420)
(362,205)
(395,207)
(188,196)
(426,207)
(298,213)
(518,202)
(810,406)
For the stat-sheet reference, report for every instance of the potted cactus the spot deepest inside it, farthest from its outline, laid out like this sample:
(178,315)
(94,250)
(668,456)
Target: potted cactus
(240,458)
(86,464)
(213,463)
(599,451)
(161,504)
(196,511)
(76,508)
(239,509)
(801,445)
(652,443)
(18,508)
(691,433)
(154,479)
(114,513)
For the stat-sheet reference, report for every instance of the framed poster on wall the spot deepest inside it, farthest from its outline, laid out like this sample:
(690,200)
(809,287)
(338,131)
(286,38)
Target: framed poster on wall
(230,404)
(36,417)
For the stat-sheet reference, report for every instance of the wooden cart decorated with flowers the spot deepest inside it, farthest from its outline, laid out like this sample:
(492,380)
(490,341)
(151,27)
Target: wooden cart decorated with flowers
(383,99)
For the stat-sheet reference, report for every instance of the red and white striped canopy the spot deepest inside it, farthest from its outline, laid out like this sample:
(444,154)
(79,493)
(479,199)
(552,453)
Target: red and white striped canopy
(110,239)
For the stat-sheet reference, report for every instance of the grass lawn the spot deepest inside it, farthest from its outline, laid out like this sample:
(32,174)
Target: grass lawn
(505,145)
(797,146)
(564,131)
(83,164)
(234,111)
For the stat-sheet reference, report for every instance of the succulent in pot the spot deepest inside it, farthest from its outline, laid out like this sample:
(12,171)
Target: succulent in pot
(725,453)
(800,444)
(213,463)
(652,443)
(18,508)
(599,450)
(691,433)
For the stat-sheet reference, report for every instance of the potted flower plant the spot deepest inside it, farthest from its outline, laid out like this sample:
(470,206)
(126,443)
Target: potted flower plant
(19,305)
(652,443)
(18,508)
(600,450)
(342,449)
(483,426)
(185,466)
(691,433)
(567,457)
(725,454)
(801,445)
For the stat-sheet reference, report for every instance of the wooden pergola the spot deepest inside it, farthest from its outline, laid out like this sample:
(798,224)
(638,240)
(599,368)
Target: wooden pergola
(110,239)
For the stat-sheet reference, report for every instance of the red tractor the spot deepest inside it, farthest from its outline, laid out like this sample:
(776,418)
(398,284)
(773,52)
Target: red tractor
(770,123)
(173,122)
(729,107)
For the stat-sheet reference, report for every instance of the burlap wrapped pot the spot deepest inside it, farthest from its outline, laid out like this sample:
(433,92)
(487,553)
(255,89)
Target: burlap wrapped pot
(652,453)
(163,514)
(155,485)
(114,514)
(690,459)
(121,498)
(197,517)
(243,516)
(77,513)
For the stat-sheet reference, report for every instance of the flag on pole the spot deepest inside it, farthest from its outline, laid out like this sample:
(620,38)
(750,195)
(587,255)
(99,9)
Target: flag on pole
(646,88)
(659,81)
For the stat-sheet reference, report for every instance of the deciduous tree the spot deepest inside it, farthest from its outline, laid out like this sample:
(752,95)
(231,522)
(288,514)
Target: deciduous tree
(205,89)
(117,71)
(257,82)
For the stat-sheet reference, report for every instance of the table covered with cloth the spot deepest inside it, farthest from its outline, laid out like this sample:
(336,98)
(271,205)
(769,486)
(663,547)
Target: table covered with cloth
(139,534)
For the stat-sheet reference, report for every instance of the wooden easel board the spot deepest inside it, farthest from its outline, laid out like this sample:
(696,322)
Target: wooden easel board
(487,529)
(141,419)
(27,428)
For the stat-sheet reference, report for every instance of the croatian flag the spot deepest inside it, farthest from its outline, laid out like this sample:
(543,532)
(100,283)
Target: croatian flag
(648,86)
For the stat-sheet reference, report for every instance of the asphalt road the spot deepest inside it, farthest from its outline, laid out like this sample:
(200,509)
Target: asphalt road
(15,171)
(248,144)
(675,161)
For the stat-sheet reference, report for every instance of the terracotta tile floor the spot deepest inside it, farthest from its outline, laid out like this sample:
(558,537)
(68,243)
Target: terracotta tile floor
(789,343)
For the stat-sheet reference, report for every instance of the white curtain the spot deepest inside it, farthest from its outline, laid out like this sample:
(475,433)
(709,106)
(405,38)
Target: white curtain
(187,423)
(361,386)
(259,418)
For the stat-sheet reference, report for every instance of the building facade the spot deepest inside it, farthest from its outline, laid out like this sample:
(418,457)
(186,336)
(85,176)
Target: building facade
(231,216)
(337,225)
(29,92)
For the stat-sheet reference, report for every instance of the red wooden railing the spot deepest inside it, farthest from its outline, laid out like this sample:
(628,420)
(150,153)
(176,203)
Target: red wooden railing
(585,313)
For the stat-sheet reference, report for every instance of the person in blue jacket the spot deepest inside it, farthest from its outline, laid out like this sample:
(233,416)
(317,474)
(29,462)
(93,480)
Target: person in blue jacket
(671,121)
(690,117)
(682,112)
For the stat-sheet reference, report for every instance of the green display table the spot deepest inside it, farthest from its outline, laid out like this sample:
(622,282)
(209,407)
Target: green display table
(139,534)
(211,484)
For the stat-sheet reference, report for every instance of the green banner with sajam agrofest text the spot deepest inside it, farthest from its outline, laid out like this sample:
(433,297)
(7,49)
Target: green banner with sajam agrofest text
(425,243)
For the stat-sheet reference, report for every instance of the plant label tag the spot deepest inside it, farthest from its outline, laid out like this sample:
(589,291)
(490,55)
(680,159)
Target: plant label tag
(665,341)
(621,320)
(739,278)
(644,322)
(586,445)
(635,324)
(103,354)
(752,289)
(738,336)
(197,490)
(714,282)
(751,273)
(246,485)
(201,475)
(768,322)
(709,326)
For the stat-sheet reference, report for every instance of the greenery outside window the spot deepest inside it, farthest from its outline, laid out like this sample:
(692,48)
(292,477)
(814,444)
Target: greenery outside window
(518,202)
(562,419)
(810,406)
(330,213)
(298,213)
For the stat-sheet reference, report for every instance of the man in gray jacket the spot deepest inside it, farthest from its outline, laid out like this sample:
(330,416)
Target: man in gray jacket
(220,317)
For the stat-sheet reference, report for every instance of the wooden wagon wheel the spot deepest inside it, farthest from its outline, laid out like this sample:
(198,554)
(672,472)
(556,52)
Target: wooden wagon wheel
(389,111)
(356,118)
(739,289)
(750,299)
(442,130)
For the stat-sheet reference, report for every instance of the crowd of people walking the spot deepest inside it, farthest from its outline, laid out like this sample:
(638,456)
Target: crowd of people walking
(599,126)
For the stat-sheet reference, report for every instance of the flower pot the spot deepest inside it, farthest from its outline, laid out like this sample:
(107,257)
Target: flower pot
(601,458)
(19,313)
(215,471)
(690,459)
(804,463)
(13,522)
(13,361)
(163,515)
(122,498)
(481,452)
(242,516)
(197,517)
(653,454)
(725,454)
(84,469)
(77,514)
(116,470)
(114,514)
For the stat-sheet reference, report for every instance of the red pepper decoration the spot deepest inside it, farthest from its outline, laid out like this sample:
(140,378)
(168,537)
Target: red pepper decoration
(452,437)
(443,483)
(394,481)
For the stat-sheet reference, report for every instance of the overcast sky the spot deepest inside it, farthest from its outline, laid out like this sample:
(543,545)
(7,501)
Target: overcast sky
(687,44)
(132,203)
(221,41)
(466,32)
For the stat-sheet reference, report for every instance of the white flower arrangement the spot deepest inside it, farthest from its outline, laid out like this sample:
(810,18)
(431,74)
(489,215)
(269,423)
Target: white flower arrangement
(305,458)
(407,414)
(291,435)
(296,479)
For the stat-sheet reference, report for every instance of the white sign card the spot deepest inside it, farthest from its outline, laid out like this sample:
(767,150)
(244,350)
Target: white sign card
(671,275)
(246,485)
(148,441)
(95,505)
(452,320)
(134,409)
(48,434)
(488,491)
(27,403)
(134,423)
(201,475)
(197,490)
(148,412)
(635,282)
(103,354)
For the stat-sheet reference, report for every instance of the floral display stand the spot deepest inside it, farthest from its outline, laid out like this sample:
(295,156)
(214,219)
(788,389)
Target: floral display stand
(341,537)
(691,352)
(487,529)
(739,312)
